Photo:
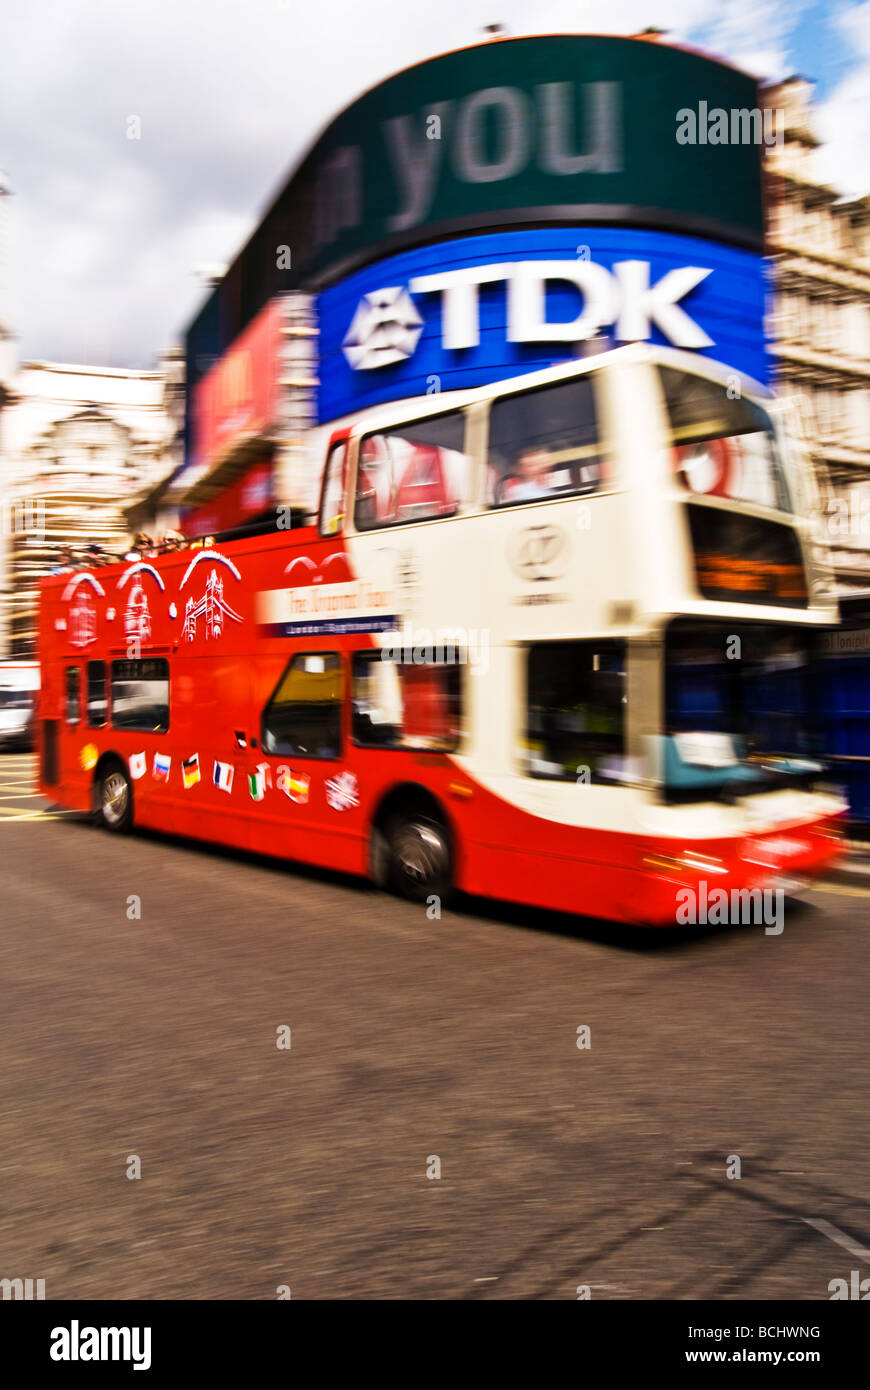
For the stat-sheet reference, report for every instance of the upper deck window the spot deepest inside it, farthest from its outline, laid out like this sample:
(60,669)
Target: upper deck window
(413,472)
(545,443)
(722,447)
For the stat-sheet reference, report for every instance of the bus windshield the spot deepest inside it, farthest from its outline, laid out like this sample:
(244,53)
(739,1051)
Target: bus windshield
(737,708)
(722,447)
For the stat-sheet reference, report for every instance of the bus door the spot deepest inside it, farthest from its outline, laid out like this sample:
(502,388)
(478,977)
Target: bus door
(305,745)
(49,710)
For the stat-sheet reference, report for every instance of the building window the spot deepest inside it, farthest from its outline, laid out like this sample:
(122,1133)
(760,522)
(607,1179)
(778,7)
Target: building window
(575,723)
(413,473)
(97,703)
(73,684)
(791,306)
(303,716)
(829,413)
(859,335)
(861,417)
(406,705)
(545,443)
(816,321)
(140,695)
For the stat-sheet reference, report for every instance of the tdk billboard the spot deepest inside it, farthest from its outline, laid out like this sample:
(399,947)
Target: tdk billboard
(463,313)
(488,211)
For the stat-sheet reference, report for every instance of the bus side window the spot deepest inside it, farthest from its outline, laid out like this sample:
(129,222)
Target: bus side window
(140,695)
(575,729)
(332,499)
(398,705)
(97,703)
(303,716)
(73,685)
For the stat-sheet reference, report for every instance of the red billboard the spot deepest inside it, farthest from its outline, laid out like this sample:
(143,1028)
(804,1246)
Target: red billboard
(247,497)
(238,396)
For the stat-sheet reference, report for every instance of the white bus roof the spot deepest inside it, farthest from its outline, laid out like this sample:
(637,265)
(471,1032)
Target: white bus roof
(418,407)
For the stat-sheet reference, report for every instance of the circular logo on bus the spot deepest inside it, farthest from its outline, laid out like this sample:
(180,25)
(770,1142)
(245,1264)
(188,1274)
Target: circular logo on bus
(538,552)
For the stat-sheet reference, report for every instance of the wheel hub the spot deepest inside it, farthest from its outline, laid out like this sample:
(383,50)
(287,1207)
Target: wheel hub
(421,853)
(114,797)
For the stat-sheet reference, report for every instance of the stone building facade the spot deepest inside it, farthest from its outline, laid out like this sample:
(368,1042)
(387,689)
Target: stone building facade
(78,443)
(819,249)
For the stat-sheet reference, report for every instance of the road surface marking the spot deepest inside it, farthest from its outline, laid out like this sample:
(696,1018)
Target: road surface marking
(841,889)
(838,1237)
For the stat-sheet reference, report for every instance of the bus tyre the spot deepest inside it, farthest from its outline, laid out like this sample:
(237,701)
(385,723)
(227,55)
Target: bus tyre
(418,857)
(114,798)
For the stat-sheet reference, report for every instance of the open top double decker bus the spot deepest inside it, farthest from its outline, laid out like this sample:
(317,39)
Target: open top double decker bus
(547,640)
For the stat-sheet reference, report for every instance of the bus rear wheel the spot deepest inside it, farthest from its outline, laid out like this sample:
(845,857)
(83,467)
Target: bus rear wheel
(418,856)
(114,799)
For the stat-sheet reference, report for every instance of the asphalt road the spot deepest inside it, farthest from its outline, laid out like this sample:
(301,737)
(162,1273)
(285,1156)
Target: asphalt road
(411,1040)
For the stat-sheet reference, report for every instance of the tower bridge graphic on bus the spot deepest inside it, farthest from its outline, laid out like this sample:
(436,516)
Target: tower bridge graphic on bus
(212,606)
(137,615)
(82,620)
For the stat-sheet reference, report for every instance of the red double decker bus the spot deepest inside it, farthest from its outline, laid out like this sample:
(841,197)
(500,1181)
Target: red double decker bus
(546,640)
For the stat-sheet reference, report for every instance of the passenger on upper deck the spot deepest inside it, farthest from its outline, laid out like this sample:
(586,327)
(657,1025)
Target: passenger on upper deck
(536,473)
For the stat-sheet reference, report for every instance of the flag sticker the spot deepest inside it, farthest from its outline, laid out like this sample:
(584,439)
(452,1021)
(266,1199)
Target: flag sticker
(223,776)
(342,791)
(190,771)
(138,765)
(160,768)
(293,785)
(259,780)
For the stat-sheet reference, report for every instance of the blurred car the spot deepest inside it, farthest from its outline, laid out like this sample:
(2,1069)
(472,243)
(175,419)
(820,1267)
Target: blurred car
(19,687)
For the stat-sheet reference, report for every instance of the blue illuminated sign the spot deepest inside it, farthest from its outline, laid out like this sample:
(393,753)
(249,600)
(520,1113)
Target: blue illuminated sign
(462,313)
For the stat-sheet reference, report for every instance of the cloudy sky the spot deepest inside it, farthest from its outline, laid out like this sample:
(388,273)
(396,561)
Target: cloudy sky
(106,235)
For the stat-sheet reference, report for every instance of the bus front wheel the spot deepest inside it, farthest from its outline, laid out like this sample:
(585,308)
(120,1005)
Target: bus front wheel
(114,798)
(418,856)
